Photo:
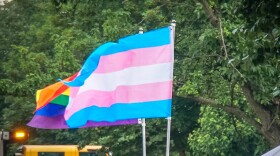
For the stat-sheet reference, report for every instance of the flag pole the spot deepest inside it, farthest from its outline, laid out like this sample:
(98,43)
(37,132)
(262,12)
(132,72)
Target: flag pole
(173,25)
(168,136)
(144,136)
(143,122)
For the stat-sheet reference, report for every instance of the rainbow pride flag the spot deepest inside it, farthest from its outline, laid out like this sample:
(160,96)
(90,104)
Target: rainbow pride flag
(125,80)
(51,105)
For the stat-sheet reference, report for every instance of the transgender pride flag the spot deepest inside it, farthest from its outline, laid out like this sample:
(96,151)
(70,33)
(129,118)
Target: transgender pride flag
(126,80)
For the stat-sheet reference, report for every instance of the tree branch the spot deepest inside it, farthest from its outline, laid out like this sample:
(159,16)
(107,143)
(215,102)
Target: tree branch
(216,22)
(210,12)
(275,117)
(231,110)
(223,40)
(259,110)
(225,48)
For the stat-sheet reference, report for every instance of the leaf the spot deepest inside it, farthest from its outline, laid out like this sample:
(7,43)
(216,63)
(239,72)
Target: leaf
(276,92)
(231,60)
(244,58)
(234,31)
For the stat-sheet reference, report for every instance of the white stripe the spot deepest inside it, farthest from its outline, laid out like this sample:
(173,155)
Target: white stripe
(129,76)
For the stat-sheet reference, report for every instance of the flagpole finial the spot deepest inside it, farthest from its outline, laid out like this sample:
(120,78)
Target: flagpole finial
(173,23)
(141,30)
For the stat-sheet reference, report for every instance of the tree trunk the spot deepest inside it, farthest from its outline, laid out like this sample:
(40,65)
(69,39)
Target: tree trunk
(268,128)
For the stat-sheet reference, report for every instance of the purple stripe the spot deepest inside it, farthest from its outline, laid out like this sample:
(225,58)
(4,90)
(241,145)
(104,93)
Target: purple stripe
(58,122)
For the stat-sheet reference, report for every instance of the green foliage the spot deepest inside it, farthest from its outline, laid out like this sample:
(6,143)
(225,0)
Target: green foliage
(221,134)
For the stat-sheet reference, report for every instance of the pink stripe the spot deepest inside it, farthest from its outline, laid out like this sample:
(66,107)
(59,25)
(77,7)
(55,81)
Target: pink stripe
(135,57)
(74,91)
(123,94)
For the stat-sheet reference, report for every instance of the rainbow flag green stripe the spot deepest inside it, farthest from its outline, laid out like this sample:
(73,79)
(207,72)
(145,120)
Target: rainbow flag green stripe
(61,100)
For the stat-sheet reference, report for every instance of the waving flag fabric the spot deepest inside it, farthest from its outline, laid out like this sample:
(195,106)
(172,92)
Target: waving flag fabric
(51,104)
(125,80)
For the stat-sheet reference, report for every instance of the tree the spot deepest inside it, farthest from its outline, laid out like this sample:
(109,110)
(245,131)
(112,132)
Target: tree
(234,67)
(248,59)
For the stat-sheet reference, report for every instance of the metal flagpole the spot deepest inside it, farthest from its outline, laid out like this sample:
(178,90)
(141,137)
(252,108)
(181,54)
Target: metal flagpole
(173,25)
(144,136)
(143,122)
(168,136)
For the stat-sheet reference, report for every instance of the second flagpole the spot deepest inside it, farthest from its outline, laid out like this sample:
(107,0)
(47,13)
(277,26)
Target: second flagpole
(173,25)
(141,31)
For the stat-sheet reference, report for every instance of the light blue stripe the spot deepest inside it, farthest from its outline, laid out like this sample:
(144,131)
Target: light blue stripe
(153,38)
(121,111)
